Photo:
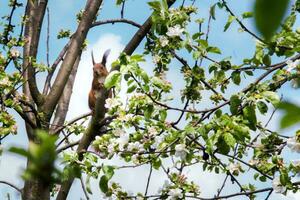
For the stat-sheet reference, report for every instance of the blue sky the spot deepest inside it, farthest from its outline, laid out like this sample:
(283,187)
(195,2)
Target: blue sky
(62,15)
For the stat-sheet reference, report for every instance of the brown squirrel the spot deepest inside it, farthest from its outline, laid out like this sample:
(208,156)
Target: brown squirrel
(99,74)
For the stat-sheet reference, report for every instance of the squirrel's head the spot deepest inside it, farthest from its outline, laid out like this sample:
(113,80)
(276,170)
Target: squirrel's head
(100,68)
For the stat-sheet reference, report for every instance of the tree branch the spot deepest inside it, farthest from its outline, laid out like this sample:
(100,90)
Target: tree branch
(90,11)
(113,21)
(11,185)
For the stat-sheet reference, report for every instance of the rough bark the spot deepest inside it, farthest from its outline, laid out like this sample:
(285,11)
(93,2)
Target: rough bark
(90,11)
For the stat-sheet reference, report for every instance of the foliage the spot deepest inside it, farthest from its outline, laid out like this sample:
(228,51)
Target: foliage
(214,122)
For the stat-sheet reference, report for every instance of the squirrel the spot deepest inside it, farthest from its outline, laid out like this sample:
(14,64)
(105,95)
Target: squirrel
(99,74)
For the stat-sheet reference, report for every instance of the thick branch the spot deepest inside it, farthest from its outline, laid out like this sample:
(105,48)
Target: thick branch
(35,12)
(91,9)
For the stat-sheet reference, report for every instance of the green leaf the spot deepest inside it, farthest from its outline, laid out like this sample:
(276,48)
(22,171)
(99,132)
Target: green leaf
(212,12)
(267,60)
(247,15)
(163,115)
(249,114)
(291,116)
(262,107)
(156,163)
(236,77)
(108,171)
(112,79)
(271,97)
(19,151)
(229,139)
(263,178)
(88,185)
(148,111)
(268,15)
(229,21)
(215,50)
(155,5)
(103,184)
(234,104)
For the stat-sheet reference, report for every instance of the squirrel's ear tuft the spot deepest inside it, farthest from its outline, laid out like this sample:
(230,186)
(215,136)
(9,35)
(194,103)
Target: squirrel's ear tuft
(93,59)
(105,55)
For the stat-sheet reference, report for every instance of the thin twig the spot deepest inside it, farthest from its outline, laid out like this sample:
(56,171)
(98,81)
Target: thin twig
(11,185)
(148,180)
(48,37)
(122,9)
(84,190)
(113,21)
(241,24)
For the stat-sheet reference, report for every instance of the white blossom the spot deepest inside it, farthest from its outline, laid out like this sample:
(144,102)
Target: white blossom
(111,103)
(175,193)
(14,53)
(140,198)
(156,59)
(293,144)
(157,141)
(175,31)
(126,117)
(135,146)
(152,131)
(165,186)
(292,64)
(139,95)
(111,147)
(163,40)
(277,186)
(253,162)
(135,159)
(122,141)
(118,132)
(5,81)
(234,168)
(180,151)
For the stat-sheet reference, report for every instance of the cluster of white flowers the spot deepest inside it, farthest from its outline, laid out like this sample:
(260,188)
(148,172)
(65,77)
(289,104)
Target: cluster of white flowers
(277,186)
(5,81)
(152,131)
(138,95)
(126,117)
(157,141)
(112,102)
(175,31)
(14,53)
(175,193)
(234,168)
(136,146)
(292,64)
(293,144)
(122,141)
(163,40)
(180,151)
(156,59)
(253,162)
